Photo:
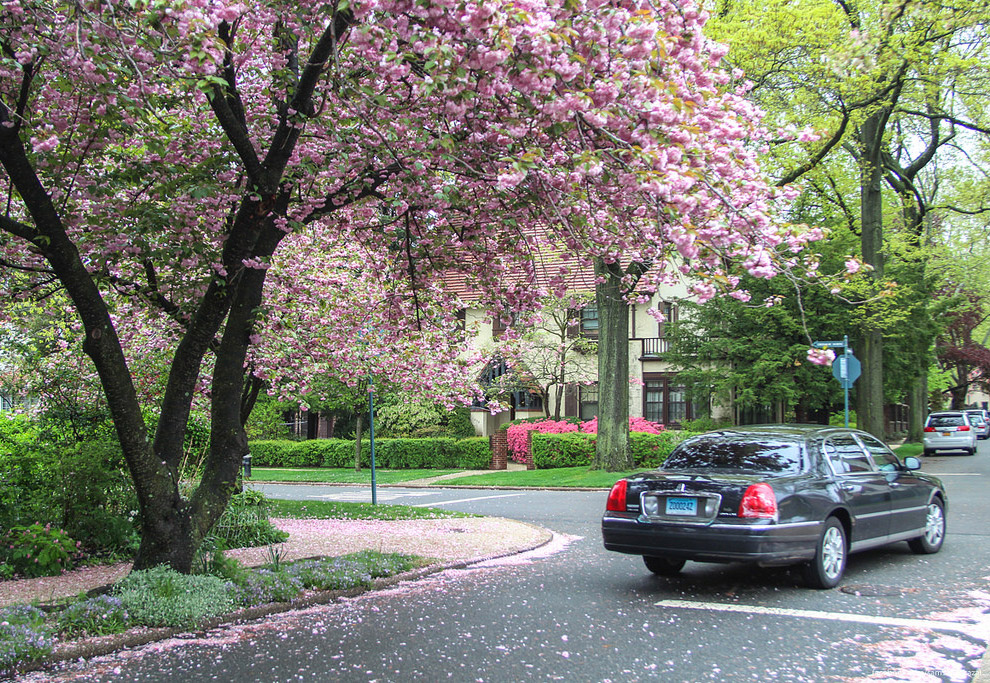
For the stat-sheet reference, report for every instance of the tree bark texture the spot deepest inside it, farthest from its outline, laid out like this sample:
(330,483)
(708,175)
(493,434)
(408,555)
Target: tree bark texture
(869,407)
(612,449)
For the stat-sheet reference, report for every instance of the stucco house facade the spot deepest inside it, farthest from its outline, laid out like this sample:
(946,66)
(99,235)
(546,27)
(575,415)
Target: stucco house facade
(654,391)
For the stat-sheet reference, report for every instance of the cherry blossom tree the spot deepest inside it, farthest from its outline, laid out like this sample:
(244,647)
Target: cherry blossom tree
(159,158)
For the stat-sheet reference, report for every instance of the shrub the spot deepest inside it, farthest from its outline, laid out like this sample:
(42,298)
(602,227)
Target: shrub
(562,450)
(261,586)
(459,425)
(382,564)
(334,452)
(474,453)
(636,424)
(578,449)
(397,454)
(280,454)
(338,573)
(246,526)
(163,597)
(99,616)
(37,550)
(23,637)
(704,424)
(651,450)
(78,483)
(518,434)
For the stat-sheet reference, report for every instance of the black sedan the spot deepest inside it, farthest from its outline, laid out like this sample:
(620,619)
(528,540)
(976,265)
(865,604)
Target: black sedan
(775,495)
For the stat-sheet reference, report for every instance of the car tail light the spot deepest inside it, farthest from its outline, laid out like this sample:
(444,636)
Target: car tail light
(964,428)
(759,501)
(617,497)
(929,429)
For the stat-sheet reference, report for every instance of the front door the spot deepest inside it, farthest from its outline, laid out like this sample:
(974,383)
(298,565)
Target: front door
(865,490)
(908,498)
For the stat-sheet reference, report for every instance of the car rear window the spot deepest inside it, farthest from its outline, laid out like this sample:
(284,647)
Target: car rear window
(739,454)
(946,421)
(976,417)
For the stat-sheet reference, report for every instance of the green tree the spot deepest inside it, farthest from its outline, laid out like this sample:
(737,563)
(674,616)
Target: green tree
(893,87)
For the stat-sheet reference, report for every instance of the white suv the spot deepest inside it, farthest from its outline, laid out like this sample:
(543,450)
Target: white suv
(949,431)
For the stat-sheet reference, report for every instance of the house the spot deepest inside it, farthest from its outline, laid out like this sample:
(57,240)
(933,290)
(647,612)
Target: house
(654,392)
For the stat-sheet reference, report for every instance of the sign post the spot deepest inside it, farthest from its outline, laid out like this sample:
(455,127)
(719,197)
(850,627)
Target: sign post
(846,367)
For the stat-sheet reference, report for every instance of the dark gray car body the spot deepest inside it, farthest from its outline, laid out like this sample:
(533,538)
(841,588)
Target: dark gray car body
(882,504)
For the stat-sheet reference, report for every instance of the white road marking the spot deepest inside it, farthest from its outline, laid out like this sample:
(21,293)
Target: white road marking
(464,500)
(916,624)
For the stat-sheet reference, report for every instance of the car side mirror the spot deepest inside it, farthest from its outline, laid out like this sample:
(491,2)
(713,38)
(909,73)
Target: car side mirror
(912,463)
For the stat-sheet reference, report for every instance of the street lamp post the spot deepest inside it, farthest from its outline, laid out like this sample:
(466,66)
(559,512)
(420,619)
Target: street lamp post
(371,429)
(371,420)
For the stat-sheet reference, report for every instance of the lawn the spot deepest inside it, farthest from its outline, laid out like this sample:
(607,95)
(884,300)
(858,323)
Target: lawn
(571,477)
(322,509)
(577,477)
(326,475)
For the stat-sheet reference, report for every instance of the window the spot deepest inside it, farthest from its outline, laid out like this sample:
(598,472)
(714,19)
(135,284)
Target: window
(755,454)
(846,455)
(669,312)
(882,457)
(664,400)
(588,401)
(589,320)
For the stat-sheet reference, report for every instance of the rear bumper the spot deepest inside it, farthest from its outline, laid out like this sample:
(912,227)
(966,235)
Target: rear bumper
(950,443)
(769,544)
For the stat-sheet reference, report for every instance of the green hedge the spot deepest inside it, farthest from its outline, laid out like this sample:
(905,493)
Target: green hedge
(396,454)
(575,449)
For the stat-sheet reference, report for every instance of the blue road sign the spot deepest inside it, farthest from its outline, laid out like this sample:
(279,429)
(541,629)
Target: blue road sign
(846,369)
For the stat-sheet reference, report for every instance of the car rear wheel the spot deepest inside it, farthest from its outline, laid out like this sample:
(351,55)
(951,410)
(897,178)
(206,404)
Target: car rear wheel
(826,569)
(972,451)
(929,452)
(931,541)
(663,566)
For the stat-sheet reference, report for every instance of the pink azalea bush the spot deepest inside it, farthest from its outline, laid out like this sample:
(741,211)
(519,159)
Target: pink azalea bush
(518,435)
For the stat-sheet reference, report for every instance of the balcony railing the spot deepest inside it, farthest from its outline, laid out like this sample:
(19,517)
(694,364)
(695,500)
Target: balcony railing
(653,347)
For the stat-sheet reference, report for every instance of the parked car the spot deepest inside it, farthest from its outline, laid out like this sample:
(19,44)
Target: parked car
(981,425)
(949,431)
(775,495)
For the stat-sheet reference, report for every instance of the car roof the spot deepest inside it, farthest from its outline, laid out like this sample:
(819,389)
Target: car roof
(792,431)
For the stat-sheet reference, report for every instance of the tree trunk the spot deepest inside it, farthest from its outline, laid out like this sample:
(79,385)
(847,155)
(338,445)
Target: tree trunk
(612,449)
(917,409)
(869,408)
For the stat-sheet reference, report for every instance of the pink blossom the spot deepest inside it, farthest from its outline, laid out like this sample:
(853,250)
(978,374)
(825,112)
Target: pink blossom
(821,356)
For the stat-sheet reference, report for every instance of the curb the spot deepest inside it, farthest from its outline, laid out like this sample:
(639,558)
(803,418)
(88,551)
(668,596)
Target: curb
(105,645)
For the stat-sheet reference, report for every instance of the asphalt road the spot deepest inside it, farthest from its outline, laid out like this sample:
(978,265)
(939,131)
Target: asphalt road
(574,612)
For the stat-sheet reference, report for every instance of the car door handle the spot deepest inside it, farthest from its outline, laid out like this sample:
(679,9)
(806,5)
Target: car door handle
(852,488)
(895,485)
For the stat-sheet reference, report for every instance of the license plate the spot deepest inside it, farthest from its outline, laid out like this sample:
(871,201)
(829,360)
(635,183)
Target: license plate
(946,433)
(682,506)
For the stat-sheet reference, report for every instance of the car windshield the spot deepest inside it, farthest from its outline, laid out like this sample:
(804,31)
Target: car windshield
(946,421)
(745,454)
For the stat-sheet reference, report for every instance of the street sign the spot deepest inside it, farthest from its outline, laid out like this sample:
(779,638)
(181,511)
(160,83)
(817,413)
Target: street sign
(847,370)
(830,345)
